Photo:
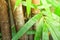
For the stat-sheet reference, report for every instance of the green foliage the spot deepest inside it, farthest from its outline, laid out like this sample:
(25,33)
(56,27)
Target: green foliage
(57,10)
(30,32)
(55,5)
(45,35)
(0,34)
(28,7)
(27,26)
(39,29)
(49,20)
(17,4)
(54,28)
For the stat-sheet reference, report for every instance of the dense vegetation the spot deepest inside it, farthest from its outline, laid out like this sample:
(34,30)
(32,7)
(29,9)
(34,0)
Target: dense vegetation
(43,16)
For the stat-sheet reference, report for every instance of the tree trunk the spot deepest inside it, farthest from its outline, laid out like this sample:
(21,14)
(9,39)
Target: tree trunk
(4,21)
(18,17)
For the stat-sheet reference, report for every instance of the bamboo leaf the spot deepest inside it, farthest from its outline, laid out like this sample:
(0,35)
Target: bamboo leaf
(45,33)
(46,7)
(17,4)
(0,34)
(54,28)
(57,11)
(13,31)
(28,7)
(39,30)
(52,32)
(35,6)
(30,32)
(54,4)
(56,17)
(26,27)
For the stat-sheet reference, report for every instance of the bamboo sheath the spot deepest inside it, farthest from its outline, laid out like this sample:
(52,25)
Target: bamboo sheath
(4,21)
(18,17)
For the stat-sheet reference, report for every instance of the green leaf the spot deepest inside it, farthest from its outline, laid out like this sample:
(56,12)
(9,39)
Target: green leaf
(54,28)
(52,32)
(55,5)
(52,2)
(0,34)
(13,30)
(28,7)
(57,11)
(35,6)
(30,32)
(17,4)
(46,7)
(56,17)
(0,38)
(45,35)
(27,26)
(39,30)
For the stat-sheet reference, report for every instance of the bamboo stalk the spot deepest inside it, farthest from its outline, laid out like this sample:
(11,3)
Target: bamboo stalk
(18,17)
(4,21)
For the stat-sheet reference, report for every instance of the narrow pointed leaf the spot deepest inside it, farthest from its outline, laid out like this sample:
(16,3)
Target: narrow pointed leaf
(30,32)
(52,32)
(45,35)
(35,6)
(27,26)
(28,7)
(56,17)
(54,28)
(46,7)
(52,2)
(39,30)
(55,5)
(57,11)
(17,4)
